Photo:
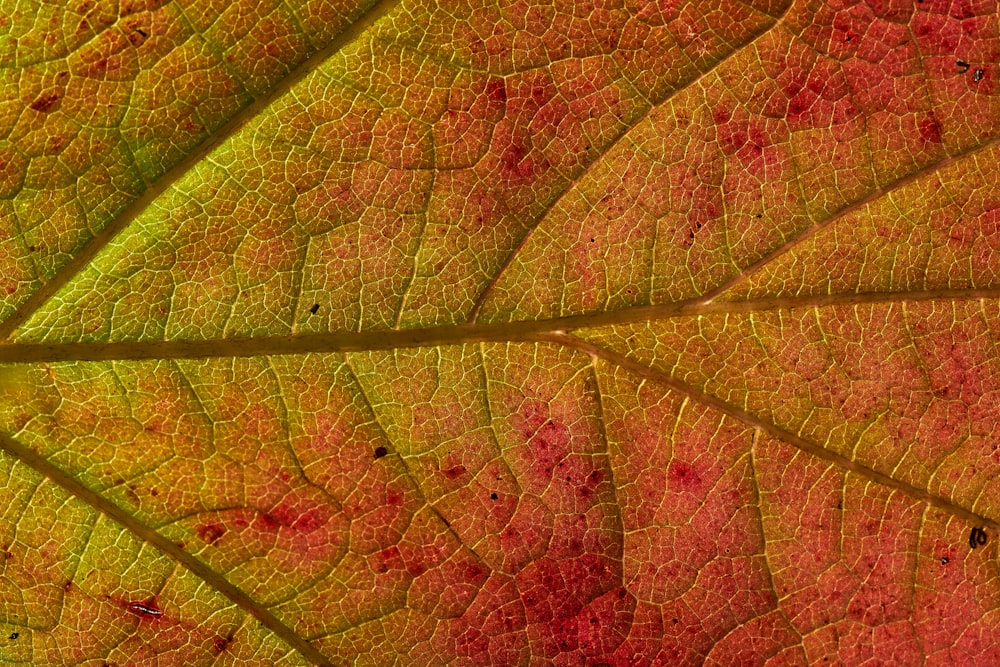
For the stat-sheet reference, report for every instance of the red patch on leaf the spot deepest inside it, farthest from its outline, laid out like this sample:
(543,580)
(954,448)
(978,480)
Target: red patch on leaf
(682,476)
(46,103)
(299,519)
(210,533)
(454,472)
(930,130)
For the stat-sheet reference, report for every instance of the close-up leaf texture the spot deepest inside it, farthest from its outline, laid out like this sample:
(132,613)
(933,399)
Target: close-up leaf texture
(535,332)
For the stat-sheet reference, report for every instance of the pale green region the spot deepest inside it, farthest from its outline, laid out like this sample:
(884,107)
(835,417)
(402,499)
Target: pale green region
(87,418)
(191,86)
(66,199)
(19,271)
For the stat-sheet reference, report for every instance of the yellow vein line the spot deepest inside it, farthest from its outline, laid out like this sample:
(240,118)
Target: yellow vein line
(36,462)
(82,258)
(777,432)
(808,233)
(445,335)
(615,141)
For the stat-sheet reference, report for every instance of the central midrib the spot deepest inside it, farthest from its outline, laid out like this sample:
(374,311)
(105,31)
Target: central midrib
(454,334)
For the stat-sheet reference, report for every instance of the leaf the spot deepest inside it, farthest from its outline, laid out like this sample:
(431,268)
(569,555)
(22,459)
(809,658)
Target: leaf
(619,333)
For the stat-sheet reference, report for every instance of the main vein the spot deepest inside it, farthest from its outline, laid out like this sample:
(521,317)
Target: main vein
(389,339)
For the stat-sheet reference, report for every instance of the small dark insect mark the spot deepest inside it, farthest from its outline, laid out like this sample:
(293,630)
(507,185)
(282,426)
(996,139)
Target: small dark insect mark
(945,560)
(314,309)
(140,609)
(380,452)
(977,537)
(222,643)
(977,76)
(963,65)
(494,496)
(14,635)
(142,32)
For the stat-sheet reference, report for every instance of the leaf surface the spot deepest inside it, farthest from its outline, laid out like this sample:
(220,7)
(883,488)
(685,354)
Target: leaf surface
(621,333)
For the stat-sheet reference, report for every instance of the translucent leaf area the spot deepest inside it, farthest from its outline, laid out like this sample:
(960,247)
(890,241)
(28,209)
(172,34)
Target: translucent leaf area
(447,332)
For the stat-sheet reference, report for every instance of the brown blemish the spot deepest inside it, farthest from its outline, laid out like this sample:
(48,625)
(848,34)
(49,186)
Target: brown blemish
(46,103)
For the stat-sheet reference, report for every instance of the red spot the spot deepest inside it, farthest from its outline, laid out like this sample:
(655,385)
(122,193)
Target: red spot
(144,609)
(222,643)
(211,533)
(393,496)
(514,161)
(550,445)
(683,477)
(271,521)
(497,90)
(307,522)
(388,559)
(930,130)
(45,103)
(454,472)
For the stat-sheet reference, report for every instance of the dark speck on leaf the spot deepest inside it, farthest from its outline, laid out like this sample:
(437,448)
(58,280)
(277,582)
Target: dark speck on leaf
(977,537)
(494,496)
(963,66)
(14,635)
(945,560)
(142,32)
(977,76)
(380,452)
(314,309)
